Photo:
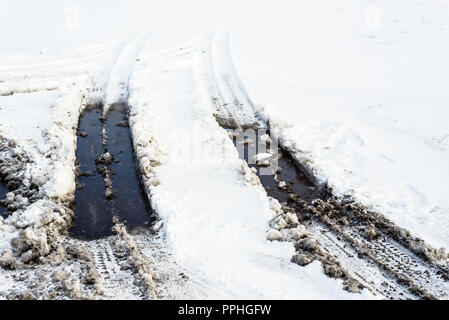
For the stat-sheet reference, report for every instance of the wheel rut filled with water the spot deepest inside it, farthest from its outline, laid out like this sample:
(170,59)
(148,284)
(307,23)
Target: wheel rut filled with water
(108,179)
(254,142)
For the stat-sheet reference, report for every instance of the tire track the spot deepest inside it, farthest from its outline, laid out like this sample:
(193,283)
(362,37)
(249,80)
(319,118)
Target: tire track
(392,259)
(51,70)
(119,278)
(117,282)
(232,107)
(117,88)
(383,265)
(373,278)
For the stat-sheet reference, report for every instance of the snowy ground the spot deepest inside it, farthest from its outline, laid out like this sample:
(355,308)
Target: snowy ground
(358,89)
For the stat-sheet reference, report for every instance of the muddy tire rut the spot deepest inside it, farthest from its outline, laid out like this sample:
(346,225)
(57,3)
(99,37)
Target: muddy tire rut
(116,276)
(110,195)
(362,245)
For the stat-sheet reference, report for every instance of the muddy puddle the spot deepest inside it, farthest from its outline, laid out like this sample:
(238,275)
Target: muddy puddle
(3,191)
(108,183)
(282,170)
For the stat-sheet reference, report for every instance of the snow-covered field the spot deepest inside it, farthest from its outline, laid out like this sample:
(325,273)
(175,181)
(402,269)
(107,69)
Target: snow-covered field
(356,90)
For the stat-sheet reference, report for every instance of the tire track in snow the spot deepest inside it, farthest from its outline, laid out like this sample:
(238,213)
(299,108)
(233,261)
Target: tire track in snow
(367,273)
(388,268)
(53,69)
(232,105)
(394,260)
(116,283)
(139,261)
(117,87)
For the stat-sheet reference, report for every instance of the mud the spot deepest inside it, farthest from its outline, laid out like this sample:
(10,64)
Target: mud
(108,183)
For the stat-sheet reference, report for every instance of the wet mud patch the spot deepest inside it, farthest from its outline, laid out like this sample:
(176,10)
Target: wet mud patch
(279,178)
(130,203)
(108,182)
(296,181)
(321,224)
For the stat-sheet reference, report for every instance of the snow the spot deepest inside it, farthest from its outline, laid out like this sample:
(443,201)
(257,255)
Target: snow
(357,88)
(46,134)
(18,110)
